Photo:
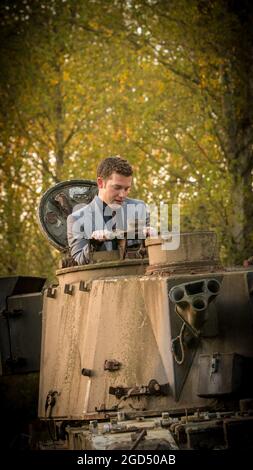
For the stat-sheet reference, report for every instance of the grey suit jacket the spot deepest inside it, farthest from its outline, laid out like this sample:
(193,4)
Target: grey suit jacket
(82,222)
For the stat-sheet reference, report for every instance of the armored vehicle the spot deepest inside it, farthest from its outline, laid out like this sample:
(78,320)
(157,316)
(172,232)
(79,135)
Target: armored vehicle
(144,351)
(21,301)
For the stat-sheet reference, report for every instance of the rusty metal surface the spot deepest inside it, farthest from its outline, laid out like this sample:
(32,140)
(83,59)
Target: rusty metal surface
(123,435)
(130,318)
(194,248)
(85,329)
(106,265)
(200,431)
(113,341)
(172,269)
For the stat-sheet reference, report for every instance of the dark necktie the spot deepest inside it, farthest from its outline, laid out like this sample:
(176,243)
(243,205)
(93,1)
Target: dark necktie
(113,227)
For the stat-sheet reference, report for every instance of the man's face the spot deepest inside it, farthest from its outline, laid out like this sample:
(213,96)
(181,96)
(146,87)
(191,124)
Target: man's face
(114,189)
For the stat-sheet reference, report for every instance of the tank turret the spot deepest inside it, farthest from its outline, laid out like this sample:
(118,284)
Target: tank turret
(146,351)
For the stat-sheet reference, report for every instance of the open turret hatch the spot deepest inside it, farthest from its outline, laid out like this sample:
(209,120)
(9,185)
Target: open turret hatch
(60,201)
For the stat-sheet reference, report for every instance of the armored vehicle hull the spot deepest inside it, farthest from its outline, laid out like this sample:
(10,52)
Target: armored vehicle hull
(124,342)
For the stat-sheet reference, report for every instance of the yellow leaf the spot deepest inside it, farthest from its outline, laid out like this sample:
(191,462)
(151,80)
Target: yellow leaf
(65,76)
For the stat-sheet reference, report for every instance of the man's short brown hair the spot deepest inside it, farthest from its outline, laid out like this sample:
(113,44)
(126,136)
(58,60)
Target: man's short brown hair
(114,165)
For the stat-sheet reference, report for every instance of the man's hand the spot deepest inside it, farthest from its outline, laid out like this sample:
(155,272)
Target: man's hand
(150,232)
(102,235)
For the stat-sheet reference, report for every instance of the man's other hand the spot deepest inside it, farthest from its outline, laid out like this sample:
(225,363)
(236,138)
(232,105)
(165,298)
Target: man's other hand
(102,235)
(150,232)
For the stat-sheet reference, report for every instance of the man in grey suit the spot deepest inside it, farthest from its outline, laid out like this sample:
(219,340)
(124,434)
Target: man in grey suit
(110,215)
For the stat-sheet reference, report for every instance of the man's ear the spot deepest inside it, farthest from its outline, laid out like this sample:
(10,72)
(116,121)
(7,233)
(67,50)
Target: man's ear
(100,182)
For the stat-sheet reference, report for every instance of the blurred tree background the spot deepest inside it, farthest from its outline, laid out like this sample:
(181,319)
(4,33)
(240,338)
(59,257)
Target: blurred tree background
(166,84)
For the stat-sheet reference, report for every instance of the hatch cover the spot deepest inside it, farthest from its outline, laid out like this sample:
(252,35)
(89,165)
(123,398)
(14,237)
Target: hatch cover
(60,201)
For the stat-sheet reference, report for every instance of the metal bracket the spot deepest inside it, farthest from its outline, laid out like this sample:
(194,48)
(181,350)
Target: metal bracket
(86,372)
(85,286)
(51,292)
(153,388)
(50,402)
(68,289)
(215,362)
(112,365)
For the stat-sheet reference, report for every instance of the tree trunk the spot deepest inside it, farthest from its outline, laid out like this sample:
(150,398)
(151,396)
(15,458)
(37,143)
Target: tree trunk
(241,220)
(59,124)
(237,110)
